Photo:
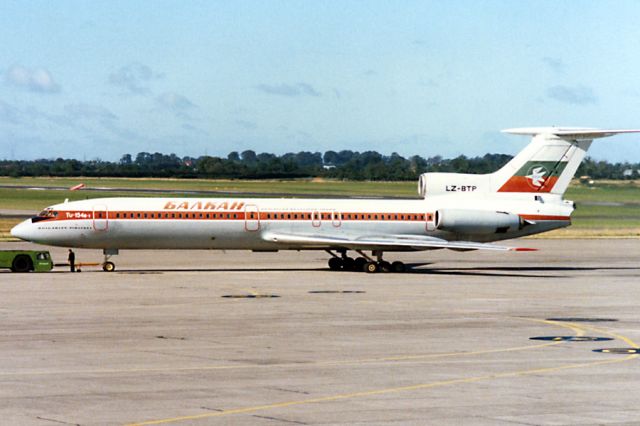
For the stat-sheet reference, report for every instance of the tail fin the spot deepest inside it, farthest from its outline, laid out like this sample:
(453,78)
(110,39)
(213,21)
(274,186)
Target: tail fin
(550,161)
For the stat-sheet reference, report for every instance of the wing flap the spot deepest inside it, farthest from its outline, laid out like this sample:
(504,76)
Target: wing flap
(397,242)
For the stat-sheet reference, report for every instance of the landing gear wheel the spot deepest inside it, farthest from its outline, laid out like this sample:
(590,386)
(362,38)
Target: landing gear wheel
(384,266)
(358,264)
(371,267)
(335,263)
(398,266)
(108,266)
(348,263)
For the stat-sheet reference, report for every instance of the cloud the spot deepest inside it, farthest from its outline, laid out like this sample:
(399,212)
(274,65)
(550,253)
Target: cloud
(194,130)
(178,104)
(38,80)
(134,78)
(89,112)
(577,95)
(555,64)
(295,90)
(175,102)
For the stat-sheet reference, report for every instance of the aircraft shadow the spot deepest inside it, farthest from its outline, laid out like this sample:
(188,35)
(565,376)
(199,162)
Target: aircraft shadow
(414,268)
(512,271)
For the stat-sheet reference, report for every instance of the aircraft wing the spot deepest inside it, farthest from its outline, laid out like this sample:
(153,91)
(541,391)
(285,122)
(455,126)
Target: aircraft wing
(394,242)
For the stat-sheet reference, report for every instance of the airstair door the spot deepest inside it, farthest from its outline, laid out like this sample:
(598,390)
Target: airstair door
(251,218)
(316,219)
(100,218)
(336,218)
(431,221)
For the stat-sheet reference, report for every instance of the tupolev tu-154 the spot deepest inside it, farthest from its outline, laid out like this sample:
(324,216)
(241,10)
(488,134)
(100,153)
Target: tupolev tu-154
(456,211)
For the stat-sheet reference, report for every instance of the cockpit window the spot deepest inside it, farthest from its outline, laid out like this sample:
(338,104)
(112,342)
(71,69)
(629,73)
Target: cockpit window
(44,215)
(47,213)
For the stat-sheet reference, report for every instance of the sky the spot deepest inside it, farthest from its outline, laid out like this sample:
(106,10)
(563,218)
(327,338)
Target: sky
(99,79)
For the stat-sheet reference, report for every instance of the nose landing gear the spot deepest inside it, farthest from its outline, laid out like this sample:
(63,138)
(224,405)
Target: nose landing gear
(363,263)
(107,265)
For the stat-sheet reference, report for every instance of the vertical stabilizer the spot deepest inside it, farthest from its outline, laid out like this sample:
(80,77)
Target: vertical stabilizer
(549,162)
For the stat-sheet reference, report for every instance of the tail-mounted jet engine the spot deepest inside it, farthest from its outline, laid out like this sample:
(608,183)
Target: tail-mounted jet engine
(452,183)
(477,221)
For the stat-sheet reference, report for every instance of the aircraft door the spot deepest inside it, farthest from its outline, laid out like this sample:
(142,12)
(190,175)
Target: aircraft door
(431,221)
(316,218)
(336,218)
(251,218)
(100,218)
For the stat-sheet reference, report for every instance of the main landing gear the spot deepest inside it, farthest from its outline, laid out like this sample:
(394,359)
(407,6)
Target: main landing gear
(107,265)
(363,263)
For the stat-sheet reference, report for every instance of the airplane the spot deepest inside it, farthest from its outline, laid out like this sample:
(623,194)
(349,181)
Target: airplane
(457,211)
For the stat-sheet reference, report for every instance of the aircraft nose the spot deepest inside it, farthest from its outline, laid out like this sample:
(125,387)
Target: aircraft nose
(22,230)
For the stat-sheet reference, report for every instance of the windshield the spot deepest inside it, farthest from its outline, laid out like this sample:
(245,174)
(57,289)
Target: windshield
(44,215)
(47,213)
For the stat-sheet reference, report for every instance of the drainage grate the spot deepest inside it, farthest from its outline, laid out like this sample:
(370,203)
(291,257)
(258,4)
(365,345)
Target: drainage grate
(571,338)
(250,296)
(580,319)
(618,351)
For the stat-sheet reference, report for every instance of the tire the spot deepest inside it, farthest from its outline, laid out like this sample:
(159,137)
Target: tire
(398,266)
(22,263)
(358,264)
(385,266)
(348,264)
(335,264)
(108,267)
(371,267)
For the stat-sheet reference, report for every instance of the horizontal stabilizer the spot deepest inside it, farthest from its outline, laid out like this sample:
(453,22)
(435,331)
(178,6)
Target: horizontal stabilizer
(574,133)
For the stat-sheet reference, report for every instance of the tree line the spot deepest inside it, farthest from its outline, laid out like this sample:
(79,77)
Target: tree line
(347,165)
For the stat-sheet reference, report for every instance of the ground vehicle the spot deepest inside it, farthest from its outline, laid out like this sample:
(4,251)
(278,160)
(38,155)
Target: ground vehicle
(26,260)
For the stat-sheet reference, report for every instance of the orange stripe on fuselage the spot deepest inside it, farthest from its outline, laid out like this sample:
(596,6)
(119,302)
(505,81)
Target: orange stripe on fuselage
(544,217)
(263,216)
(236,215)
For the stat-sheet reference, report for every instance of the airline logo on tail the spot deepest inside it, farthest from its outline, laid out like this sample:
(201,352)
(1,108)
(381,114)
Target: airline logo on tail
(535,176)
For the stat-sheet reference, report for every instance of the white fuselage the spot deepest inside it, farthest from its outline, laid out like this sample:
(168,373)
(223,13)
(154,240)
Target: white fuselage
(215,223)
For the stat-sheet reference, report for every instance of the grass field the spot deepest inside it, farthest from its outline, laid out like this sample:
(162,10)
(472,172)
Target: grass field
(605,209)
(300,186)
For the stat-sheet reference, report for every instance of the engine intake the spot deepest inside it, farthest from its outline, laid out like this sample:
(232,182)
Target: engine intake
(459,184)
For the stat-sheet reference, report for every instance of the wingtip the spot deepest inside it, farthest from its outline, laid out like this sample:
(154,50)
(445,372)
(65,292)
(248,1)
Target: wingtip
(524,249)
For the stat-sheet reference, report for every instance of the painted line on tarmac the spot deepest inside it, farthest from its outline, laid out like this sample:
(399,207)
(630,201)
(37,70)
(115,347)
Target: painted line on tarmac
(578,329)
(419,358)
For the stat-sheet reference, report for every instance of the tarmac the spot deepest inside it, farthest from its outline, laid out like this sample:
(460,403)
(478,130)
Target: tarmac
(220,338)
